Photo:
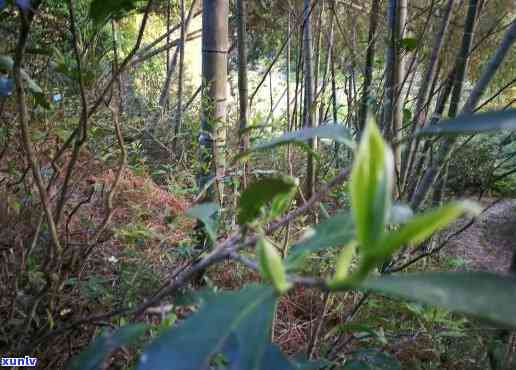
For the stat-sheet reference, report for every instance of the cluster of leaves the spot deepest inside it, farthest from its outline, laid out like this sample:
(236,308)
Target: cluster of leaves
(231,330)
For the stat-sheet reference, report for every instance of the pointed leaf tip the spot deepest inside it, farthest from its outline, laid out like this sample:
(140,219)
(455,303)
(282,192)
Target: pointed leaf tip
(371,186)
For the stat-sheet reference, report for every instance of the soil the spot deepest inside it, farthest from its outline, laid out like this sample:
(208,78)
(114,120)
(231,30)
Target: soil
(488,244)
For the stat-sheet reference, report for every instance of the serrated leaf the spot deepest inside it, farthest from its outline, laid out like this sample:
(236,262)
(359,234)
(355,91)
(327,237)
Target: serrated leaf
(480,294)
(470,124)
(93,357)
(271,266)
(371,187)
(336,132)
(245,315)
(205,212)
(334,232)
(261,193)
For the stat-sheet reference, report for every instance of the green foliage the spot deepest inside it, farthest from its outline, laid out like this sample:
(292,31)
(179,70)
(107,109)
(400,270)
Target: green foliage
(231,330)
(7,65)
(135,233)
(271,266)
(334,232)
(431,315)
(361,330)
(101,11)
(371,187)
(205,213)
(343,265)
(94,356)
(135,277)
(94,287)
(371,192)
(262,192)
(471,124)
(480,294)
(235,325)
(420,227)
(409,43)
(475,165)
(337,132)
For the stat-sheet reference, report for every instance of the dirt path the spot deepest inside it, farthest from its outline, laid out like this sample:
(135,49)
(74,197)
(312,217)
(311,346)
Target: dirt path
(488,244)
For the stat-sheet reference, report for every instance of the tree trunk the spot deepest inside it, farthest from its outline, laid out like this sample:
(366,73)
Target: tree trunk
(390,63)
(172,63)
(214,75)
(368,76)
(399,76)
(242,81)
(486,76)
(308,111)
(180,78)
(288,127)
(425,88)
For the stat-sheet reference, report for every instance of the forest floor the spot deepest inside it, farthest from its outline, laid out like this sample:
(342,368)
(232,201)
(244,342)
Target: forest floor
(488,243)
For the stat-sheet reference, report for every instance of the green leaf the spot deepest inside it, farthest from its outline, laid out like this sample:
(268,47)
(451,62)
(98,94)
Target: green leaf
(409,43)
(101,10)
(334,232)
(93,357)
(42,100)
(260,193)
(6,63)
(31,84)
(205,212)
(480,294)
(421,227)
(407,116)
(470,124)
(242,319)
(281,202)
(336,132)
(344,262)
(271,266)
(371,187)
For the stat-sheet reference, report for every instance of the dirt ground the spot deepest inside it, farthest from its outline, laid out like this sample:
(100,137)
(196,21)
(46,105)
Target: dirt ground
(488,244)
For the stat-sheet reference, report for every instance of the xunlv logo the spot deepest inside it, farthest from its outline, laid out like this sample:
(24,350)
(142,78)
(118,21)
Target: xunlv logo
(19,361)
